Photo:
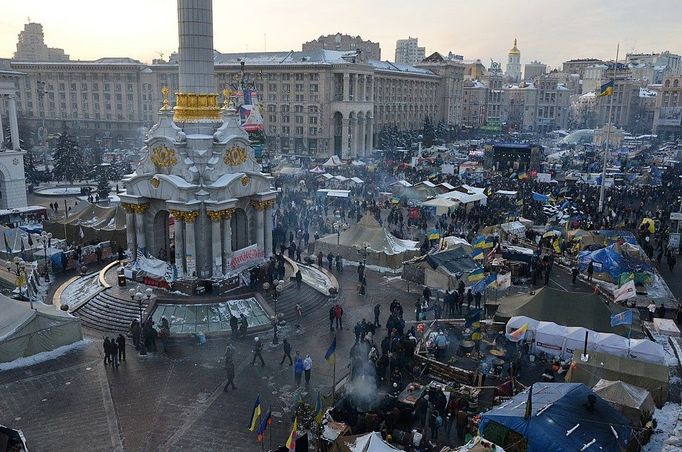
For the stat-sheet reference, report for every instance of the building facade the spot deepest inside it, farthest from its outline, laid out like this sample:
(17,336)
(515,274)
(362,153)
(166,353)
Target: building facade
(370,50)
(668,111)
(31,46)
(578,66)
(533,69)
(407,51)
(653,67)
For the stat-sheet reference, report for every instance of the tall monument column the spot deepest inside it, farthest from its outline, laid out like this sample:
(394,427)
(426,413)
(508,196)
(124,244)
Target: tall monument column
(140,237)
(190,245)
(130,231)
(268,227)
(179,242)
(344,137)
(195,31)
(13,124)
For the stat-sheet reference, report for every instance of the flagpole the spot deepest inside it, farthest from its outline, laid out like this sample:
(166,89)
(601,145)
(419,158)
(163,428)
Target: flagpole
(66,218)
(602,190)
(334,374)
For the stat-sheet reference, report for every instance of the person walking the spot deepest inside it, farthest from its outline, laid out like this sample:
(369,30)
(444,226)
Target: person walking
(299,279)
(229,367)
(377,312)
(590,271)
(330,259)
(574,273)
(671,260)
(418,309)
(121,342)
(106,346)
(477,300)
(257,350)
(286,349)
(299,315)
(320,257)
(427,294)
(113,353)
(234,325)
(298,368)
(332,317)
(135,332)
(652,310)
(338,315)
(307,368)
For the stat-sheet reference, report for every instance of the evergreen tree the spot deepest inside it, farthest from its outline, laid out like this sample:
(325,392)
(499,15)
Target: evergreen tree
(428,133)
(30,168)
(103,183)
(69,163)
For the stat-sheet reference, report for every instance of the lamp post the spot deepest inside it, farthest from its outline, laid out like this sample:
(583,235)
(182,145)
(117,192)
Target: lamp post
(278,286)
(138,298)
(19,268)
(46,238)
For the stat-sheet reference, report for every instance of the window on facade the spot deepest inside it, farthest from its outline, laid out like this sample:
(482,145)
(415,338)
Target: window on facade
(299,119)
(299,98)
(272,118)
(299,130)
(313,88)
(298,108)
(272,86)
(312,130)
(299,87)
(299,77)
(312,120)
(118,87)
(313,98)
(285,130)
(286,88)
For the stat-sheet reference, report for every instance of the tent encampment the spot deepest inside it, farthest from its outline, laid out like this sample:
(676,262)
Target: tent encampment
(368,442)
(333,161)
(383,250)
(632,401)
(650,376)
(98,223)
(440,205)
(560,417)
(25,332)
(548,304)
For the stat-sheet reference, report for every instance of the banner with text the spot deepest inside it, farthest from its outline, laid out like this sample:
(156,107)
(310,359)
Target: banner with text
(246,257)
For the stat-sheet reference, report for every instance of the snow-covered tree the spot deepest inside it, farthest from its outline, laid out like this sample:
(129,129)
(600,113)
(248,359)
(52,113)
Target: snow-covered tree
(103,182)
(69,163)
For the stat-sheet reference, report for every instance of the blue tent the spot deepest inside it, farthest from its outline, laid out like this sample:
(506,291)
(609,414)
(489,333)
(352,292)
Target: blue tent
(561,419)
(614,260)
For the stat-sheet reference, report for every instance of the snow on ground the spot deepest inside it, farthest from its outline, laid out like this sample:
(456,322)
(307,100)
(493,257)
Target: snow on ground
(59,191)
(81,289)
(664,439)
(44,356)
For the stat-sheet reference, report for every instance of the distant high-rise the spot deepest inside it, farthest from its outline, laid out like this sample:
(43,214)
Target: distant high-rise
(514,64)
(31,46)
(407,51)
(533,70)
(370,50)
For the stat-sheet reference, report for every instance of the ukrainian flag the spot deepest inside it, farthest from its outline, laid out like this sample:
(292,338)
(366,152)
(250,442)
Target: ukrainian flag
(475,275)
(434,235)
(255,414)
(606,89)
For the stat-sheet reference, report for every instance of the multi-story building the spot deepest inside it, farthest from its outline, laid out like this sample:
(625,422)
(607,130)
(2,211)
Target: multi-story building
(407,51)
(513,70)
(475,95)
(315,103)
(653,67)
(625,96)
(31,46)
(450,89)
(370,50)
(533,69)
(578,66)
(668,110)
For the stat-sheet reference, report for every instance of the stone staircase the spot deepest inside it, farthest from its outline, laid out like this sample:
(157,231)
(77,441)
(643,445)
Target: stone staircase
(109,314)
(309,299)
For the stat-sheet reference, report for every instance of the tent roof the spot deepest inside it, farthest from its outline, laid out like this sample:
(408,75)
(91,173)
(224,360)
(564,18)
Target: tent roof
(370,231)
(97,217)
(566,308)
(560,419)
(16,314)
(455,260)
(624,394)
(368,442)
(436,202)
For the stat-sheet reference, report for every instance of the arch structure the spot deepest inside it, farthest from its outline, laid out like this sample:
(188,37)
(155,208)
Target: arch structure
(353,113)
(204,175)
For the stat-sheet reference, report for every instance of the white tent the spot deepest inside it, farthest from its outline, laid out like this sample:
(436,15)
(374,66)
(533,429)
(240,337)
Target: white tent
(514,228)
(646,350)
(334,160)
(611,344)
(549,338)
(318,170)
(369,442)
(441,205)
(518,321)
(575,340)
(26,332)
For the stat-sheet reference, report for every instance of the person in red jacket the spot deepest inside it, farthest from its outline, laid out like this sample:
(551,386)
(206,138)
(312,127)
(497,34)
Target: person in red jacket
(338,314)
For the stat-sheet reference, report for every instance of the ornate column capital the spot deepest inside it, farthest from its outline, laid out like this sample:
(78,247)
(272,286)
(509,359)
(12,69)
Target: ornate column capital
(135,208)
(214,215)
(228,213)
(262,205)
(177,214)
(191,216)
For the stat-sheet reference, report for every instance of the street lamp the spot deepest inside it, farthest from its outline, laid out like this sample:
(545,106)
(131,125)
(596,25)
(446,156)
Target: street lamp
(138,298)
(278,286)
(19,268)
(46,239)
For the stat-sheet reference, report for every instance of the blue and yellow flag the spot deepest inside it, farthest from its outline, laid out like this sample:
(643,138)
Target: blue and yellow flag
(475,275)
(330,355)
(318,408)
(263,425)
(255,414)
(434,234)
(606,89)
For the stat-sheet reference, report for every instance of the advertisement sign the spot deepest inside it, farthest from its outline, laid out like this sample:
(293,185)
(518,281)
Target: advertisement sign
(246,257)
(544,177)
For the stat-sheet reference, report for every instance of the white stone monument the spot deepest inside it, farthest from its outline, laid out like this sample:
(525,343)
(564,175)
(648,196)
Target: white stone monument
(199,169)
(12,176)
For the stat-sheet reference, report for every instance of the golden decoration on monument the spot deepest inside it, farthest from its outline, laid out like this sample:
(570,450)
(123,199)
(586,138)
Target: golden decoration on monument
(163,157)
(135,208)
(192,107)
(165,105)
(235,155)
(215,216)
(191,216)
(245,180)
(155,182)
(228,213)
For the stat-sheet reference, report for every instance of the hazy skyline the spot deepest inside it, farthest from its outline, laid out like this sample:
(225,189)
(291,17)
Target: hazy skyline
(549,31)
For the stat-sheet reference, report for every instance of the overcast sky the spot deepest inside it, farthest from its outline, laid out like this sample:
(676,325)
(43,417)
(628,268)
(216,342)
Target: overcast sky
(548,30)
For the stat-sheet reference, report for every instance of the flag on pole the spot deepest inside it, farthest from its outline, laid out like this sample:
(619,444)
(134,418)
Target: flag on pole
(255,414)
(477,254)
(625,292)
(606,89)
(263,425)
(318,408)
(518,334)
(472,317)
(475,275)
(622,318)
(330,355)
(23,250)
(291,441)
